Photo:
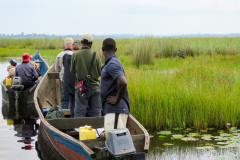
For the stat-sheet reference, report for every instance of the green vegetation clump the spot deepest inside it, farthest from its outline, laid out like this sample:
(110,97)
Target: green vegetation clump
(143,51)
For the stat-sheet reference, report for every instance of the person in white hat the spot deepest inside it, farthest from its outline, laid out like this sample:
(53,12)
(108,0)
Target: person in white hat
(68,41)
(80,66)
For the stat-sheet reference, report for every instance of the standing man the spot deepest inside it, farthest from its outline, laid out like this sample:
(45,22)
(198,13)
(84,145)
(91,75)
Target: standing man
(80,65)
(68,41)
(114,93)
(69,78)
(27,72)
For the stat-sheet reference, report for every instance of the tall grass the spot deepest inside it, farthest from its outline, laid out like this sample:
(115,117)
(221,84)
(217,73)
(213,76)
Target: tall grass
(143,51)
(200,93)
(161,47)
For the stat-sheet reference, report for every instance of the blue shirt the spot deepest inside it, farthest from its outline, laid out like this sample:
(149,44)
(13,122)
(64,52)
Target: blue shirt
(110,71)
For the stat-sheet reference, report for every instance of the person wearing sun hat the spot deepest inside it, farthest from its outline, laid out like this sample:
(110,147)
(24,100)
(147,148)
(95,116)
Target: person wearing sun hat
(80,65)
(27,72)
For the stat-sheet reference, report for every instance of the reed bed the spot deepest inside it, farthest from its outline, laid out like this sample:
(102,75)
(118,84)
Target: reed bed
(201,92)
(152,47)
(166,91)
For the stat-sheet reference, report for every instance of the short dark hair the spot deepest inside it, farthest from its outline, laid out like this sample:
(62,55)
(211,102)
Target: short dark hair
(109,44)
(13,64)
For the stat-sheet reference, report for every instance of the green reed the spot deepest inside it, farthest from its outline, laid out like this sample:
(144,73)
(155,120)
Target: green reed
(201,92)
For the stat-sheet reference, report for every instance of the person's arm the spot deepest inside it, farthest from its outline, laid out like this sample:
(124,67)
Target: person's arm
(122,87)
(58,64)
(117,73)
(35,74)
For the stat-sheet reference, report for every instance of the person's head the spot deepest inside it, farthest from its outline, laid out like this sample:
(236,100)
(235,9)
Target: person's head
(87,40)
(76,45)
(68,41)
(25,57)
(11,72)
(109,45)
(13,62)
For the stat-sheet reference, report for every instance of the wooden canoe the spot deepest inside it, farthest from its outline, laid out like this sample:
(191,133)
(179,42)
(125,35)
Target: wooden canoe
(56,139)
(25,107)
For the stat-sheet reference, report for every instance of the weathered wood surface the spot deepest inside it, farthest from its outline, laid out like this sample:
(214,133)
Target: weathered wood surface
(53,75)
(69,123)
(58,92)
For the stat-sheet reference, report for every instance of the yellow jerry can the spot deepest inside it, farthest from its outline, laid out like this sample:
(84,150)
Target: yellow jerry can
(87,132)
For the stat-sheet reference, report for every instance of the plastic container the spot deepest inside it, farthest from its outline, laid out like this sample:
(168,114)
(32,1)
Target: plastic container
(8,81)
(17,81)
(9,122)
(86,133)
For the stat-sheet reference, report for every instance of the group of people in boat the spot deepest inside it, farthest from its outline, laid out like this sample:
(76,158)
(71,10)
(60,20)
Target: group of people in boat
(79,66)
(27,71)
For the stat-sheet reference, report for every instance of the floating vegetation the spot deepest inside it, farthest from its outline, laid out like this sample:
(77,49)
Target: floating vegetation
(165,132)
(167,144)
(188,129)
(177,136)
(161,137)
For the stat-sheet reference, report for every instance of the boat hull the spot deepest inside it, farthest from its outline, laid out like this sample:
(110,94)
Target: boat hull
(26,107)
(54,145)
(26,104)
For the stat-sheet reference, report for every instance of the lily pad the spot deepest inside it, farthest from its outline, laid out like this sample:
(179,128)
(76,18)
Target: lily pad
(225,135)
(194,134)
(189,139)
(167,144)
(164,132)
(222,143)
(177,136)
(188,129)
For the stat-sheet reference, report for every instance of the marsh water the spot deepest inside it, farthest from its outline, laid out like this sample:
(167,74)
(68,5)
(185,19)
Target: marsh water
(17,140)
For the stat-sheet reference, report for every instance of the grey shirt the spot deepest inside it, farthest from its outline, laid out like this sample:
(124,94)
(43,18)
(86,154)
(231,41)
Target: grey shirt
(110,71)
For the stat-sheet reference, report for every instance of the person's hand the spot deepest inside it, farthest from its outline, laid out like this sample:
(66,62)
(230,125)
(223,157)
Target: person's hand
(112,100)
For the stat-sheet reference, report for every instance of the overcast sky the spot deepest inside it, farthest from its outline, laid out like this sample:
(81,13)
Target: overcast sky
(143,17)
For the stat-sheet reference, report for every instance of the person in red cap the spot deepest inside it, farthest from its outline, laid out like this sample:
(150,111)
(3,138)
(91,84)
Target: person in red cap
(27,72)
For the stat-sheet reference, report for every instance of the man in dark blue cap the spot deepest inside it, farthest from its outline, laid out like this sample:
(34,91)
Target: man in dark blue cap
(13,63)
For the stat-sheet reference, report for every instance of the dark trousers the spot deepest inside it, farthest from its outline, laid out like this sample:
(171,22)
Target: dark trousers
(89,99)
(65,97)
(72,104)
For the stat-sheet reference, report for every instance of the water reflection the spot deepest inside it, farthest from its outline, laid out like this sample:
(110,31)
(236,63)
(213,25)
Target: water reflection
(17,137)
(26,129)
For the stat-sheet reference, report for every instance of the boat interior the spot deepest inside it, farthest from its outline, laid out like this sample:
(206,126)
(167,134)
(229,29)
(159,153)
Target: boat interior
(49,95)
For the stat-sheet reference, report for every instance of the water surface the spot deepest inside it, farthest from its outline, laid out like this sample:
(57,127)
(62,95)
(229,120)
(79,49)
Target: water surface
(13,145)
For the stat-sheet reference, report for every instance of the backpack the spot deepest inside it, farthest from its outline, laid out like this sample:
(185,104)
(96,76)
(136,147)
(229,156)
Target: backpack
(55,112)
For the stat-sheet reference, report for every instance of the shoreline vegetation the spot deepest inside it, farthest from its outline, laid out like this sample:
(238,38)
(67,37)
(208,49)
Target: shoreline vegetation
(166,91)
